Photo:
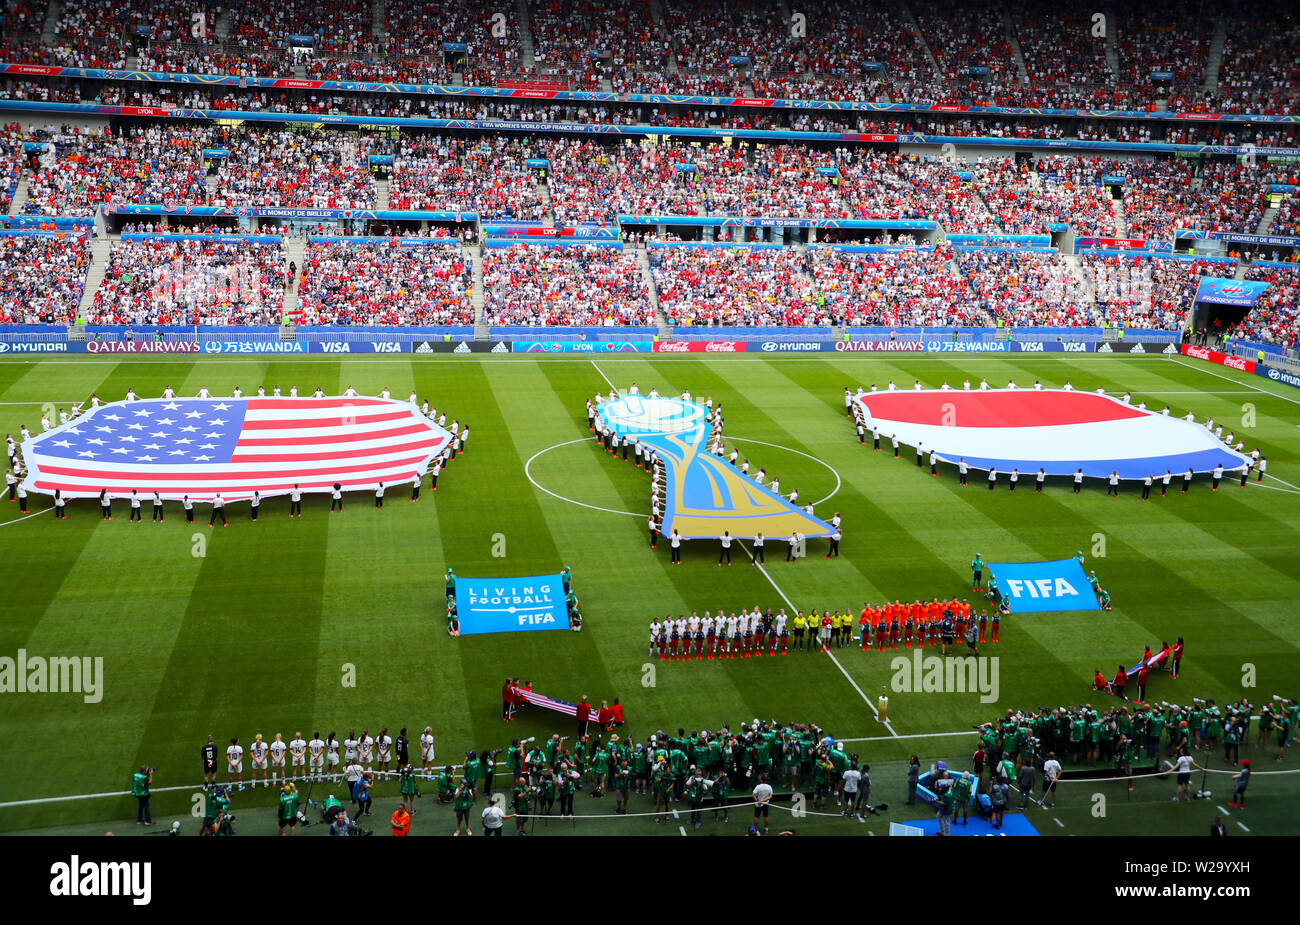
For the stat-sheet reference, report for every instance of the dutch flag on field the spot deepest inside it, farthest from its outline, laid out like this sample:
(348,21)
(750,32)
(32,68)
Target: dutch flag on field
(1056,430)
(233,446)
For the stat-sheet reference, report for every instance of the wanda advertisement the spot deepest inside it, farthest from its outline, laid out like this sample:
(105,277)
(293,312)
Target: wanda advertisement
(699,346)
(1223,359)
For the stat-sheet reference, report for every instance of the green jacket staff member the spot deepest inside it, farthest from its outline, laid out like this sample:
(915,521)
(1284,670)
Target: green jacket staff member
(287,814)
(140,782)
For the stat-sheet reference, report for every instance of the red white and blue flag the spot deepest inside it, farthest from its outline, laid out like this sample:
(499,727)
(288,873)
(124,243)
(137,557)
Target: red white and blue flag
(550,703)
(1055,430)
(233,446)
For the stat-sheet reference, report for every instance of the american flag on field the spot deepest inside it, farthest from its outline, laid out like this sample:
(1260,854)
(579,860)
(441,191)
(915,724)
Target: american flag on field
(550,703)
(233,446)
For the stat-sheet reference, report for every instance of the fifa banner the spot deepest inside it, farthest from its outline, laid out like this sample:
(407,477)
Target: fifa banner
(704,495)
(511,605)
(1036,587)
(1239,292)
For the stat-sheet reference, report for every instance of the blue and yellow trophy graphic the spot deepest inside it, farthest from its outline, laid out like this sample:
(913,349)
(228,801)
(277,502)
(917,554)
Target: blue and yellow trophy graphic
(703,494)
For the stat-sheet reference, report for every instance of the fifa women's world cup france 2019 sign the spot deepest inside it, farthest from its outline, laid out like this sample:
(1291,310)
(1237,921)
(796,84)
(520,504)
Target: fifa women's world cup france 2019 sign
(704,494)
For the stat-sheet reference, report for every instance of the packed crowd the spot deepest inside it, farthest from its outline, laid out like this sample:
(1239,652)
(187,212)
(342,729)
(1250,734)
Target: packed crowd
(910,287)
(564,285)
(486,174)
(294,169)
(734,286)
(1147,292)
(1026,287)
(42,277)
(365,283)
(153,164)
(192,282)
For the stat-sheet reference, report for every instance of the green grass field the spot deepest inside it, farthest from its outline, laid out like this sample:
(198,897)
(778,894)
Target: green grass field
(257,634)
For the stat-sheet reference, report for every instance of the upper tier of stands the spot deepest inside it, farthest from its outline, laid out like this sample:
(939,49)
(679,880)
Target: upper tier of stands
(945,52)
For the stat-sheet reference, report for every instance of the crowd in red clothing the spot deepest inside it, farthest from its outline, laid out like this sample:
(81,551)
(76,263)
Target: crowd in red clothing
(541,284)
(385,283)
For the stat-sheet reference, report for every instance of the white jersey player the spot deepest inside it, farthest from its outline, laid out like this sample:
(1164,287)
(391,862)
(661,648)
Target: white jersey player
(259,751)
(384,752)
(278,749)
(235,763)
(427,754)
(298,755)
(316,751)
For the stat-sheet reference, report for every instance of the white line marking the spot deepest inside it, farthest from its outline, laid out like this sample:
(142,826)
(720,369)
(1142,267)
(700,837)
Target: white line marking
(51,401)
(9,523)
(541,487)
(1283,481)
(777,446)
(1243,828)
(918,735)
(795,609)
(682,829)
(1222,810)
(1255,388)
(1058,822)
(603,376)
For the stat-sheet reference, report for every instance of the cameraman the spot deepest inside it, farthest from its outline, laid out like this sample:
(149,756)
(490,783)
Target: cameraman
(407,787)
(140,782)
(341,824)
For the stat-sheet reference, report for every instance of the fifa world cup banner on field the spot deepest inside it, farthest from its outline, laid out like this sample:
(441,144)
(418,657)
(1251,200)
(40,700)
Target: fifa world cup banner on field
(511,605)
(700,346)
(1034,587)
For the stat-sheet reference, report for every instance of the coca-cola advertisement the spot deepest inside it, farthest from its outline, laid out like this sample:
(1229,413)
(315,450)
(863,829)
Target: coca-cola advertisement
(1223,359)
(699,346)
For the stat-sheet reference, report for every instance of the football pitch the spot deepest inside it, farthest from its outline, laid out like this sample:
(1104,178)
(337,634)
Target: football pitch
(336,622)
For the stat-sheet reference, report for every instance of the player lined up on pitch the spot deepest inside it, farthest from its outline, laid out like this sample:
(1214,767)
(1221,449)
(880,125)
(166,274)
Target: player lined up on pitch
(757,633)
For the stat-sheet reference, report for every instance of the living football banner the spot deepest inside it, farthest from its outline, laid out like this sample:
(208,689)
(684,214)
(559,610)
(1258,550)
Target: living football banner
(1034,587)
(511,605)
